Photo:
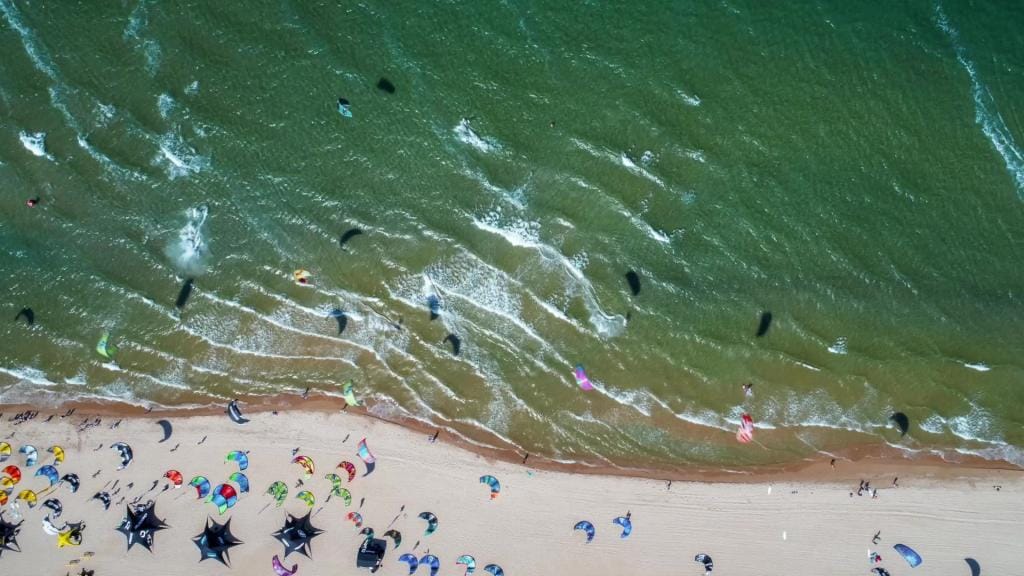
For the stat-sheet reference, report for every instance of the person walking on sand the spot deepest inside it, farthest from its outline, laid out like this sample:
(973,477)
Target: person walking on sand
(877,537)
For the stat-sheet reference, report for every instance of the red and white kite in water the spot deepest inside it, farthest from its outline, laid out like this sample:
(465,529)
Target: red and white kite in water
(746,432)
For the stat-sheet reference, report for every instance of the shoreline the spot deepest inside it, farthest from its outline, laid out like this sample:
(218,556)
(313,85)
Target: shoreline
(851,464)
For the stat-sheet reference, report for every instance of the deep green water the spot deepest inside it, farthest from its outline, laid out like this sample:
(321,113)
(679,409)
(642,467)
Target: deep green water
(855,168)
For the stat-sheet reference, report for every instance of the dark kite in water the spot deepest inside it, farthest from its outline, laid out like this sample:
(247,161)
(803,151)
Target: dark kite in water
(348,235)
(456,343)
(766,322)
(339,315)
(902,422)
(186,291)
(29,315)
(386,85)
(633,279)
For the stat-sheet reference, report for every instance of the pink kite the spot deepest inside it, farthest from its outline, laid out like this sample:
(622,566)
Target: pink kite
(746,432)
(364,452)
(350,468)
(279,568)
(581,378)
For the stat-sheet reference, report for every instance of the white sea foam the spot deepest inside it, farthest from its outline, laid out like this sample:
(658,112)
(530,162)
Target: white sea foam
(165,104)
(190,251)
(465,133)
(35,142)
(688,99)
(976,425)
(977,366)
(193,88)
(839,346)
(177,157)
(985,113)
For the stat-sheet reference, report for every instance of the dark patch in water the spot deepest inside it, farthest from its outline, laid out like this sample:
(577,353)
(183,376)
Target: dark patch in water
(766,323)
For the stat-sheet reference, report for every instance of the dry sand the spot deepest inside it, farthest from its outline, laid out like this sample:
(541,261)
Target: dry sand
(802,523)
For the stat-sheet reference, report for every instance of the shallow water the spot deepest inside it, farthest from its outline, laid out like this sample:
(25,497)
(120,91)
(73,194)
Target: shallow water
(857,172)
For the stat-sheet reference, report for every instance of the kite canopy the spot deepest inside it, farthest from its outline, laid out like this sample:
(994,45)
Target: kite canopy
(350,468)
(58,454)
(371,554)
(627,526)
(240,457)
(105,347)
(9,536)
(140,524)
(235,413)
(587,528)
(633,279)
(468,561)
(431,522)
(901,421)
(28,496)
(215,541)
(581,378)
(307,464)
(241,480)
(348,394)
(14,473)
(55,506)
(202,486)
(974,566)
(433,562)
(296,535)
(307,497)
(50,473)
(912,558)
(356,518)
(746,432)
(704,559)
(302,277)
(368,532)
(72,481)
(880,571)
(335,481)
(395,536)
(493,483)
(126,454)
(411,561)
(279,568)
(104,499)
(5,451)
(175,477)
(223,497)
(31,455)
(494,569)
(279,491)
(72,535)
(368,459)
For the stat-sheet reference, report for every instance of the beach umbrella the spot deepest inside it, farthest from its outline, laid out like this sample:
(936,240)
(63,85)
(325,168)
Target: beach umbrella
(215,541)
(140,524)
(297,535)
(9,535)
(587,528)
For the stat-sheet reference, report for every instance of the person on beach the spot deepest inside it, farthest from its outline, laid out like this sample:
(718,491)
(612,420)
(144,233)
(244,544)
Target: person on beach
(877,537)
(434,437)
(894,482)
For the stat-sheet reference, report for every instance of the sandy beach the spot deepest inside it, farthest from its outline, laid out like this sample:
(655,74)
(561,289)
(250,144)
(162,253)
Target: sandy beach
(793,523)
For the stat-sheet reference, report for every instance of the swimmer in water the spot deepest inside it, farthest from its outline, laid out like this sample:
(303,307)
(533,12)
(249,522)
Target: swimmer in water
(33,202)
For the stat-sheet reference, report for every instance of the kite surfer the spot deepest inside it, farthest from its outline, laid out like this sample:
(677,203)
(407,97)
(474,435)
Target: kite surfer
(748,390)
(33,202)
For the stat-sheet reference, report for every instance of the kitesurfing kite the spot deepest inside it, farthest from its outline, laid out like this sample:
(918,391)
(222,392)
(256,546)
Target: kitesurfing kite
(348,394)
(55,506)
(49,472)
(72,536)
(431,522)
(235,413)
(345,110)
(704,559)
(633,279)
(58,454)
(431,561)
(175,477)
(105,347)
(31,455)
(974,566)
(5,451)
(126,454)
(411,561)
(627,526)
(279,568)
(307,497)
(368,532)
(307,464)
(72,481)
(302,277)
(581,378)
(104,499)
(746,432)
(339,315)
(184,293)
(14,473)
(396,536)
(202,486)
(224,496)
(364,453)
(28,314)
(494,570)
(493,483)
(349,468)
(912,558)
(766,322)
(349,234)
(456,343)
(587,527)
(278,491)
(356,518)
(27,496)
(241,480)
(434,305)
(240,457)
(468,561)
(902,422)
(165,425)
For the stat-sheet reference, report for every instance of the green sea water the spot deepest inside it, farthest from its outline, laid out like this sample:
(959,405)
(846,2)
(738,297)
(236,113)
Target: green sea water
(854,168)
